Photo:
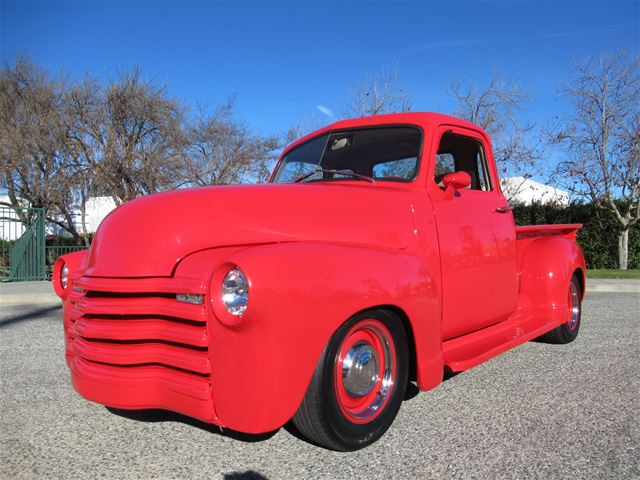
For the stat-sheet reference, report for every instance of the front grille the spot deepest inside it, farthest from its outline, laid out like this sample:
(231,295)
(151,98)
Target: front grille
(132,324)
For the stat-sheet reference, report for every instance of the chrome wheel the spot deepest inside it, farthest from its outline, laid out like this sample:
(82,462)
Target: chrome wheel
(359,383)
(567,331)
(365,371)
(573,307)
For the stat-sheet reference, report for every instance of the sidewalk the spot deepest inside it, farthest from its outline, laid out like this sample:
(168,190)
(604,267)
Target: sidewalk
(38,293)
(628,285)
(27,293)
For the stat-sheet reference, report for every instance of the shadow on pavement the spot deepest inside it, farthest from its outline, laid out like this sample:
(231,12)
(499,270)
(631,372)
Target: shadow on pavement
(448,374)
(248,475)
(157,415)
(32,315)
(412,391)
(293,430)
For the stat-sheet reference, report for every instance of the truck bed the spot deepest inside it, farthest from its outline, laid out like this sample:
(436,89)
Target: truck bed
(537,231)
(528,234)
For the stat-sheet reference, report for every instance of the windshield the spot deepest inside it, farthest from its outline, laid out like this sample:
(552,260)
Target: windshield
(381,153)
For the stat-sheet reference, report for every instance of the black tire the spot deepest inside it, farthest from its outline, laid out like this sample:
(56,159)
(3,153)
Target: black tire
(322,417)
(568,331)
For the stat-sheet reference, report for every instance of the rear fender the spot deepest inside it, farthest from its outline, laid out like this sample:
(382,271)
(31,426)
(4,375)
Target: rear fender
(546,270)
(299,294)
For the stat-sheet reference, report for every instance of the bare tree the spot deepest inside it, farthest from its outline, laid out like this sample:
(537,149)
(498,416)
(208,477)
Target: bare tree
(224,150)
(377,94)
(83,114)
(62,142)
(495,107)
(33,137)
(139,133)
(601,138)
(126,140)
(302,128)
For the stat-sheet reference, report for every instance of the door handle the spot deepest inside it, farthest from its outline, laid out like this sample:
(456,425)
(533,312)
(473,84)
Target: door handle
(504,209)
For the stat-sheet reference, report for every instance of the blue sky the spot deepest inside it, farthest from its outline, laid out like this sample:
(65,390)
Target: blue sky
(283,60)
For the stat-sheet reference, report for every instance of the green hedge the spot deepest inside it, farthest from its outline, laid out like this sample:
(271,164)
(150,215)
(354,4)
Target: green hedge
(60,241)
(598,236)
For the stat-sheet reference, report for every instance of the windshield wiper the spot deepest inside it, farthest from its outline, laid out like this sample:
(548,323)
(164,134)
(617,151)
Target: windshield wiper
(333,171)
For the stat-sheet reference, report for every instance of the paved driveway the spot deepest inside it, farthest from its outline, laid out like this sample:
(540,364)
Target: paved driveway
(539,411)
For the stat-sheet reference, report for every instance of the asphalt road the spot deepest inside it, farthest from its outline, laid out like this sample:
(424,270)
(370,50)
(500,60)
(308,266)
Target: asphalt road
(539,411)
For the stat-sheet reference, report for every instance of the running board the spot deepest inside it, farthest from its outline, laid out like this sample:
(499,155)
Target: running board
(467,351)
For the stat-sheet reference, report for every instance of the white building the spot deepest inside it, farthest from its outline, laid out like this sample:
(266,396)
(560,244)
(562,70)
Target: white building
(10,226)
(526,191)
(96,208)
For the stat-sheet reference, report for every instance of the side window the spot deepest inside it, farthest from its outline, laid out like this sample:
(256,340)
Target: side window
(445,163)
(483,175)
(459,153)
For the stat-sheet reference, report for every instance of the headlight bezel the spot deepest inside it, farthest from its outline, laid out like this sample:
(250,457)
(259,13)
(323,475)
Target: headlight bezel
(64,276)
(217,292)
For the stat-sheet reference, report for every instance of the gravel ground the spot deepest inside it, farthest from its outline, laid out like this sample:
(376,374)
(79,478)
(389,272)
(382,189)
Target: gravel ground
(539,411)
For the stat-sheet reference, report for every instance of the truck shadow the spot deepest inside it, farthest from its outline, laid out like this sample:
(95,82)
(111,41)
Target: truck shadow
(448,374)
(157,415)
(412,391)
(29,316)
(248,475)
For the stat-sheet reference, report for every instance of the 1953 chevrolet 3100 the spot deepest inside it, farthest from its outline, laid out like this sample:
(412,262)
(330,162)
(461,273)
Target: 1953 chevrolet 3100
(381,251)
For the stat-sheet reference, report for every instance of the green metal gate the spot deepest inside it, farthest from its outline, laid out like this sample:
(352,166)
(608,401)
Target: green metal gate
(22,237)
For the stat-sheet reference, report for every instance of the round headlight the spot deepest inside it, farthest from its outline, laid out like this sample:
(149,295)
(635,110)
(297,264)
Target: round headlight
(64,276)
(235,292)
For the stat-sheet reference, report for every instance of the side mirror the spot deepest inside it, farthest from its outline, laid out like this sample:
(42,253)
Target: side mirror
(455,181)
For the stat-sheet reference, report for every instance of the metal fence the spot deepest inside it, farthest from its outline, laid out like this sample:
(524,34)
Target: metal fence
(24,254)
(22,231)
(52,254)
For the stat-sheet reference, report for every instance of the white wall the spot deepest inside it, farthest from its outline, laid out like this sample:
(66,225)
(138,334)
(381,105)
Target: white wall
(524,190)
(9,230)
(96,208)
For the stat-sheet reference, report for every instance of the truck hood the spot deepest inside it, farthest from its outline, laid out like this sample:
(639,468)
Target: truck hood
(148,236)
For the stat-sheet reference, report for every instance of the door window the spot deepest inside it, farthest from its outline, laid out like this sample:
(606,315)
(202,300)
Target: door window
(457,153)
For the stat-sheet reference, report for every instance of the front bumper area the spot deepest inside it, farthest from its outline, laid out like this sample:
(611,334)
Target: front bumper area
(130,344)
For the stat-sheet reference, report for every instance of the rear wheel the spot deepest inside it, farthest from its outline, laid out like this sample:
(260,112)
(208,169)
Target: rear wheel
(358,384)
(568,331)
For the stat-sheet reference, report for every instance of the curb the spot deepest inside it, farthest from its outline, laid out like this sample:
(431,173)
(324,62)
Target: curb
(612,288)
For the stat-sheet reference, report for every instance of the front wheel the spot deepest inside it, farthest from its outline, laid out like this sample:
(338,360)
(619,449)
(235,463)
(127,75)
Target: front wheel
(358,384)
(568,331)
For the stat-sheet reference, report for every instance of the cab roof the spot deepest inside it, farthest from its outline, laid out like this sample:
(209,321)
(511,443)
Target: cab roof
(427,120)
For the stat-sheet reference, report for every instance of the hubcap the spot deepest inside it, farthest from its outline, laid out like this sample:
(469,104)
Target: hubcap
(573,303)
(365,370)
(360,370)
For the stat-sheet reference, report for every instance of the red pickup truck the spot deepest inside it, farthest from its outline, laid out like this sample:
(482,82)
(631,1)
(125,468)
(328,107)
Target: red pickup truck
(381,251)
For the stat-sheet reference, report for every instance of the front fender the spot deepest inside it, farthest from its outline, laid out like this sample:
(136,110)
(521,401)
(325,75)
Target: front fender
(76,262)
(299,294)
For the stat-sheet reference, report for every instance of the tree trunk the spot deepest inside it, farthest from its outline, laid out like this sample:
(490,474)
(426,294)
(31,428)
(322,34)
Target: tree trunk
(623,248)
(83,218)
